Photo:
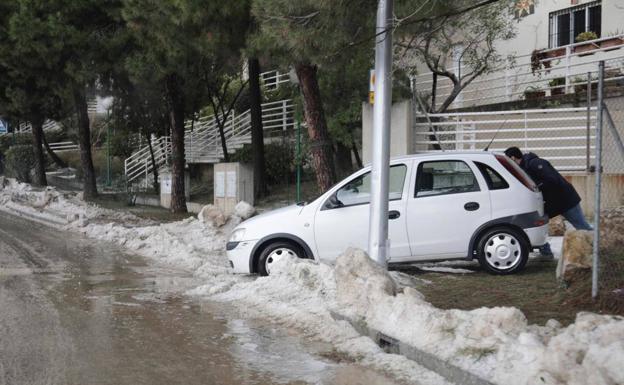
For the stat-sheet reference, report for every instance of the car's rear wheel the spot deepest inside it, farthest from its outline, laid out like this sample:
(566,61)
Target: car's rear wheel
(502,250)
(275,251)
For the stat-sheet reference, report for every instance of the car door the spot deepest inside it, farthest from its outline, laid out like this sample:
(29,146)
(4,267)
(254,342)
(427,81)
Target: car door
(344,222)
(448,202)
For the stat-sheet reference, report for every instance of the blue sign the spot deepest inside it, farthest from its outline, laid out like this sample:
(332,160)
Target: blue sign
(4,126)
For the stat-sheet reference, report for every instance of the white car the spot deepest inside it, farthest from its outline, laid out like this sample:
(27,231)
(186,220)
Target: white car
(450,205)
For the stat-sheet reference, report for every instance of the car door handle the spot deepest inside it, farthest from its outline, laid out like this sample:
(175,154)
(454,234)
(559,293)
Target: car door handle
(393,214)
(471,206)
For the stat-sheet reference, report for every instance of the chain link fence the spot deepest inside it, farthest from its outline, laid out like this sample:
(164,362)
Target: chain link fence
(608,266)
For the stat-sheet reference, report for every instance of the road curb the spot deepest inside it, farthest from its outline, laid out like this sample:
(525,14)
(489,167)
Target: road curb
(449,371)
(50,221)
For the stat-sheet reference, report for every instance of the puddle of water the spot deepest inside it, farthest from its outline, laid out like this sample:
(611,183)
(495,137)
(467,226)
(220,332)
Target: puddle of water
(125,322)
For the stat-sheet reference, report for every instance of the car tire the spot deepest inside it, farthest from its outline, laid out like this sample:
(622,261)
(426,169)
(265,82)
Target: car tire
(273,251)
(502,250)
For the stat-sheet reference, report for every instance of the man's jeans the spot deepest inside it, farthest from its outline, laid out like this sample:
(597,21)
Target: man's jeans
(576,218)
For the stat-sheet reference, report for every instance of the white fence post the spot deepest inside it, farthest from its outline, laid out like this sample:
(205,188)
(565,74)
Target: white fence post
(526,134)
(146,173)
(508,81)
(567,68)
(458,136)
(284,116)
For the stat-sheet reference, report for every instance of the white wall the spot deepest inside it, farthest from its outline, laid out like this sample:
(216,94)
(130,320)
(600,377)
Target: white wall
(401,138)
(532,30)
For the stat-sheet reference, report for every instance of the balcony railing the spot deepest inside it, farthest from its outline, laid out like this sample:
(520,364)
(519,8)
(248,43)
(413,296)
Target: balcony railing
(545,73)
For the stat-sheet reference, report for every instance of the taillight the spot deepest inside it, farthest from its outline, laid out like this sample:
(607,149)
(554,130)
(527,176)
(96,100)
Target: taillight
(517,172)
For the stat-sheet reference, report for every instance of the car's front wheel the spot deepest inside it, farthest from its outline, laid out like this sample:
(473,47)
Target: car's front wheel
(274,252)
(502,250)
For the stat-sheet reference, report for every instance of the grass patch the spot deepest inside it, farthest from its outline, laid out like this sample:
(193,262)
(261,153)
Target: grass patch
(534,290)
(477,353)
(120,202)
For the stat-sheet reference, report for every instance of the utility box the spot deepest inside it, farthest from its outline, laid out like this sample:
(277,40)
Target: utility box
(166,185)
(233,182)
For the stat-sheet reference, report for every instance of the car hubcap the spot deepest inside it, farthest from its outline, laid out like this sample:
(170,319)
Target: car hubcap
(276,255)
(502,251)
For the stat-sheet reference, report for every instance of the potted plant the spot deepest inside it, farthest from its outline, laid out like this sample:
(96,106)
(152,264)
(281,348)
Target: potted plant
(580,85)
(613,41)
(557,86)
(537,61)
(585,49)
(555,52)
(534,93)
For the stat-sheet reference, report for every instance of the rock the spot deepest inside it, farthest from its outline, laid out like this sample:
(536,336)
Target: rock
(612,229)
(360,282)
(576,253)
(244,210)
(72,217)
(212,215)
(556,226)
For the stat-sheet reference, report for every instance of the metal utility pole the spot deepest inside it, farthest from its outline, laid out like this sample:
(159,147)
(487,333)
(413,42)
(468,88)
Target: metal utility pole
(596,246)
(378,243)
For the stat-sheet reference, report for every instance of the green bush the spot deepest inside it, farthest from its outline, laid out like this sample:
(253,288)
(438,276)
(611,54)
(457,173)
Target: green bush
(121,145)
(9,140)
(279,157)
(19,160)
(72,158)
(586,36)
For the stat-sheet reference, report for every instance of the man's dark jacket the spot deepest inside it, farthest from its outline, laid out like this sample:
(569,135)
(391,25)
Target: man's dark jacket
(559,194)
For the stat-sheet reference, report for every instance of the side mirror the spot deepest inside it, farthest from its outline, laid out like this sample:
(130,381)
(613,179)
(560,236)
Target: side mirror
(333,202)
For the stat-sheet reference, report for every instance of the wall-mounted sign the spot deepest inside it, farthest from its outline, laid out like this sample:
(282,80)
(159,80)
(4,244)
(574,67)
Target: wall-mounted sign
(165,184)
(219,187)
(524,8)
(230,184)
(371,87)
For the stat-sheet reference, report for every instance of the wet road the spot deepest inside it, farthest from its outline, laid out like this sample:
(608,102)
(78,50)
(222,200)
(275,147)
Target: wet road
(75,311)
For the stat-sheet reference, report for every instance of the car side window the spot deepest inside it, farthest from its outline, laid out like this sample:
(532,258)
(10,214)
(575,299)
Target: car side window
(357,191)
(442,177)
(493,179)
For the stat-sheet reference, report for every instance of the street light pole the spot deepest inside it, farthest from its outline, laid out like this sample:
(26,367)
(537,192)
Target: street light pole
(378,243)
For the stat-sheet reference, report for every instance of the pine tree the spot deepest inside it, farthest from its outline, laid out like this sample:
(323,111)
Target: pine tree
(310,35)
(179,44)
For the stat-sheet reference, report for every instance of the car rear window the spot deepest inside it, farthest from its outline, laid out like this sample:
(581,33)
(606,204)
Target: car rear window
(493,179)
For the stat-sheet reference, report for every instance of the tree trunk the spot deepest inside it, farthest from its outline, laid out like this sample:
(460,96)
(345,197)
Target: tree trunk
(59,162)
(37,142)
(434,91)
(84,140)
(344,164)
(356,153)
(221,124)
(320,146)
(178,160)
(153,159)
(257,132)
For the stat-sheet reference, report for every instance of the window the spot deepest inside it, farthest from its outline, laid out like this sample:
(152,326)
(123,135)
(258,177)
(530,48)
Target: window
(444,177)
(357,191)
(565,25)
(493,179)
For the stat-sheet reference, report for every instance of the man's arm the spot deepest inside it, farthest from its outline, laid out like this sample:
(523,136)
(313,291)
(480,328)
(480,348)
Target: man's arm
(545,172)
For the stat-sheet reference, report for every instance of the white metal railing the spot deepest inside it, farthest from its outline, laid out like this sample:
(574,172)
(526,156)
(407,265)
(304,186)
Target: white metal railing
(140,165)
(564,136)
(272,79)
(202,139)
(561,71)
(47,125)
(63,146)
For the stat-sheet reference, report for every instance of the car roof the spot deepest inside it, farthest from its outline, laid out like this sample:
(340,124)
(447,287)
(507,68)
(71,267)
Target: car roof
(443,154)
